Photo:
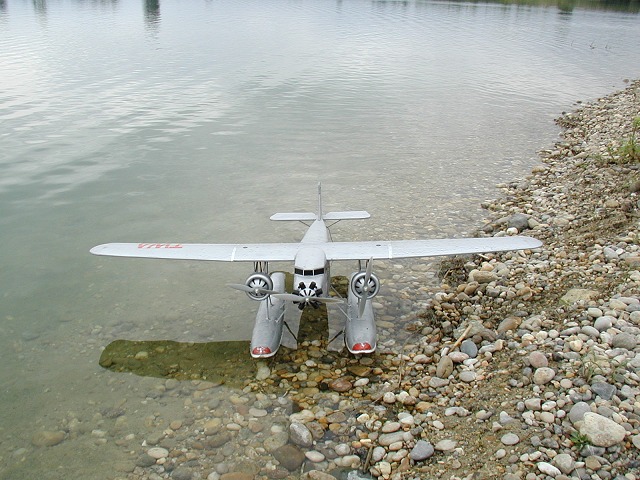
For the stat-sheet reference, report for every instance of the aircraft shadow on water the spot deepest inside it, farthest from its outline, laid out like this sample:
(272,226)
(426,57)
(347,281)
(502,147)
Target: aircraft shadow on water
(219,362)
(281,307)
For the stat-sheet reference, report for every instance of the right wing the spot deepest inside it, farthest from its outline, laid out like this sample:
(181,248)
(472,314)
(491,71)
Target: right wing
(425,248)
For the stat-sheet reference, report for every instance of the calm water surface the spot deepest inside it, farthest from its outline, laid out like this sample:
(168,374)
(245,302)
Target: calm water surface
(194,121)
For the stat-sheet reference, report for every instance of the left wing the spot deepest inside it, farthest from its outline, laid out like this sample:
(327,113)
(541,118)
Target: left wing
(260,252)
(286,252)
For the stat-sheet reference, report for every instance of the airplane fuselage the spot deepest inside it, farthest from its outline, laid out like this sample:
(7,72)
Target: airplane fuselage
(311,267)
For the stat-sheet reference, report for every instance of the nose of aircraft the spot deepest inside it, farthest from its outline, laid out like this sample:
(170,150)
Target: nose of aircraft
(258,352)
(361,347)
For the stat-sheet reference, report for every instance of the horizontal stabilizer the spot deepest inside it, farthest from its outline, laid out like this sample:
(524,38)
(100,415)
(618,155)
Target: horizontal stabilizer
(356,215)
(310,217)
(298,217)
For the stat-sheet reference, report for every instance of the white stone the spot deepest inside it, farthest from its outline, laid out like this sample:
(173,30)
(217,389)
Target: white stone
(342,449)
(385,469)
(510,439)
(445,445)
(314,456)
(389,397)
(564,462)
(158,452)
(543,375)
(548,469)
(601,431)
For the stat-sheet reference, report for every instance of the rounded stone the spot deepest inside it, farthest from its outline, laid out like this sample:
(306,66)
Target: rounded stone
(509,323)
(594,312)
(314,456)
(342,449)
(564,462)
(389,397)
(182,473)
(421,451)
(47,438)
(601,431)
(603,323)
(289,456)
(482,276)
(445,367)
(624,340)
(470,348)
(145,460)
(158,452)
(533,404)
(446,445)
(510,439)
(467,376)
(391,427)
(547,417)
(340,385)
(543,375)
(548,469)
(275,441)
(538,360)
(458,357)
(300,435)
(576,414)
(387,439)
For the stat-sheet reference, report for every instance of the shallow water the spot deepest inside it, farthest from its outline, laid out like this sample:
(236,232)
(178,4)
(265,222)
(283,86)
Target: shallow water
(193,122)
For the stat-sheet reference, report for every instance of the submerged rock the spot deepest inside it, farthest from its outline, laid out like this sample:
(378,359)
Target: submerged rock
(47,438)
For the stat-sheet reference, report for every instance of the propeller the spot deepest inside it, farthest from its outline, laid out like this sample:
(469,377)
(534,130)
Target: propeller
(257,287)
(256,290)
(365,288)
(306,299)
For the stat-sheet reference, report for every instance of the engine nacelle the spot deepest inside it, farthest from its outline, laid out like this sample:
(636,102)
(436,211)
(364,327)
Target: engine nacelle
(358,286)
(260,284)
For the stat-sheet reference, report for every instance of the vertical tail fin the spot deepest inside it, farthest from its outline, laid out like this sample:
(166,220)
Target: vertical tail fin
(319,201)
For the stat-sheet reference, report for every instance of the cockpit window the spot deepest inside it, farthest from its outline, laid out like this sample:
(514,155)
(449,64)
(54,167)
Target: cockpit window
(309,273)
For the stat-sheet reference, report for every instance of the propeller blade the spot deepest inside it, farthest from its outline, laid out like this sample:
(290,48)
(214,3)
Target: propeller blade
(298,298)
(365,288)
(245,288)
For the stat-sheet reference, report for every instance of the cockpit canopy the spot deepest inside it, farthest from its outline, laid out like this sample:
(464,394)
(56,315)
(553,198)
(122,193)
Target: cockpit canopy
(310,261)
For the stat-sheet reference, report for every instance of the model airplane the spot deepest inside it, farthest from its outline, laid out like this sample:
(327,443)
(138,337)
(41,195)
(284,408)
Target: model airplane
(312,259)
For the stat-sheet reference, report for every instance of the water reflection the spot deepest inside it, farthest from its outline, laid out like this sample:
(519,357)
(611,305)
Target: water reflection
(152,13)
(566,6)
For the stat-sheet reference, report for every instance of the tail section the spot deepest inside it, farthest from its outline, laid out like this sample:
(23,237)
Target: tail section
(310,217)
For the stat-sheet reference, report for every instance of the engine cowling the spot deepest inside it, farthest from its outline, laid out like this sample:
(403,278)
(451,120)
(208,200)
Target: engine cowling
(359,288)
(260,285)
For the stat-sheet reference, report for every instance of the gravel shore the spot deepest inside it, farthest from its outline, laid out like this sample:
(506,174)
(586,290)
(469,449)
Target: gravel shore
(519,366)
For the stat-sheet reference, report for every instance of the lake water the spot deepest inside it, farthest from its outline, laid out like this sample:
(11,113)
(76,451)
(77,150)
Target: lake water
(194,121)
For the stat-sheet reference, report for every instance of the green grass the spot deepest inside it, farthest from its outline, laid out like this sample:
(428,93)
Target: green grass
(629,151)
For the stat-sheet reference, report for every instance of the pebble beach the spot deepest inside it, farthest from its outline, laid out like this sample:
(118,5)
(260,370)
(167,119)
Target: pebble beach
(519,366)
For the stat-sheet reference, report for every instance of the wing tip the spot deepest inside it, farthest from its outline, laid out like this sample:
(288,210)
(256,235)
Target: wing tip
(97,250)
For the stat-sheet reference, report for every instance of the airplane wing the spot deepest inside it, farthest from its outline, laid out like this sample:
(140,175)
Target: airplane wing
(260,252)
(284,252)
(425,248)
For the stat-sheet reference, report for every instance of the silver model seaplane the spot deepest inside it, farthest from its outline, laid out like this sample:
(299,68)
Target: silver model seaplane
(312,259)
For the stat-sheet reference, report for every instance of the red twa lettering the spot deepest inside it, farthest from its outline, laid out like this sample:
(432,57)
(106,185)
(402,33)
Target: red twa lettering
(159,245)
